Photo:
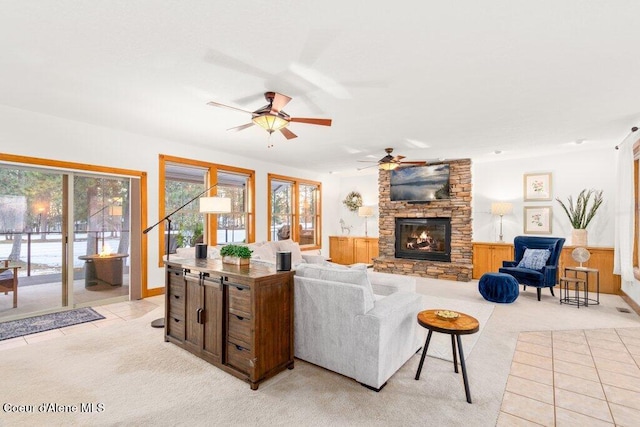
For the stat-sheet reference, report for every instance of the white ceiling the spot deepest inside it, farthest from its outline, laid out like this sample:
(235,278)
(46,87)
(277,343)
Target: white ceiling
(433,79)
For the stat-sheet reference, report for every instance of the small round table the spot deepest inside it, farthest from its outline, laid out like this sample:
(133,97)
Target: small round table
(463,325)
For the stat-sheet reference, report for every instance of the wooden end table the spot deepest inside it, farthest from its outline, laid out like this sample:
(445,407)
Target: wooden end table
(463,325)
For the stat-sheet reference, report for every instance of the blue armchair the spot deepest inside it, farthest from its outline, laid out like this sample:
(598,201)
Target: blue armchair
(544,277)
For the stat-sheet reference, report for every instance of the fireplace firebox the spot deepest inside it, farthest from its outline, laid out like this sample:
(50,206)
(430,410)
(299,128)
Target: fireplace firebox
(424,238)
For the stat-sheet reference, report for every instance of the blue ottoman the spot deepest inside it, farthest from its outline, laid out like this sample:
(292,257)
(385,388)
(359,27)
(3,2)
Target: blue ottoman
(498,287)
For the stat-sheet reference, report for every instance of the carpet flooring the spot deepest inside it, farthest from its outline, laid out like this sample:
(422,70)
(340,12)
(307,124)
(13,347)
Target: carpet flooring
(440,345)
(46,322)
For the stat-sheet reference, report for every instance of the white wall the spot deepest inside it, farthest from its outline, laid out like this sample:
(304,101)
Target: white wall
(36,135)
(367,186)
(503,181)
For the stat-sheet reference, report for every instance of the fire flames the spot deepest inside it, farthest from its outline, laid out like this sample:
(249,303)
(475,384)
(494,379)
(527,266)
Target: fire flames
(106,250)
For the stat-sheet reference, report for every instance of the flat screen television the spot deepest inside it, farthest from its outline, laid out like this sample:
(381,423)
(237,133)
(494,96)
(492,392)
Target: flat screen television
(420,183)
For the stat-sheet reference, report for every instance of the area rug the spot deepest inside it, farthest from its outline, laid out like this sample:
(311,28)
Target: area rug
(46,322)
(440,345)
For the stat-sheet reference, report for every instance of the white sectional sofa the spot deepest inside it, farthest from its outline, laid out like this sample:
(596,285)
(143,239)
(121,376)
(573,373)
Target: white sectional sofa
(358,323)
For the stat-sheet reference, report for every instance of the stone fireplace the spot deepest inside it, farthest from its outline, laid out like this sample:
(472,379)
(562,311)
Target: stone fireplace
(412,253)
(423,238)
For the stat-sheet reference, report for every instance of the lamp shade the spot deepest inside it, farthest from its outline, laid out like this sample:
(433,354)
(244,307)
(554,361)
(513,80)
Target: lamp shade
(215,204)
(388,166)
(501,208)
(365,211)
(270,122)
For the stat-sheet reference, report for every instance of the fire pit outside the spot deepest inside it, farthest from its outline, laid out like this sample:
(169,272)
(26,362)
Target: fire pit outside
(106,268)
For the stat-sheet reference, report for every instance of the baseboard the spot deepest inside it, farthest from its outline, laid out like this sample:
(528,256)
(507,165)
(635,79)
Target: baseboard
(634,305)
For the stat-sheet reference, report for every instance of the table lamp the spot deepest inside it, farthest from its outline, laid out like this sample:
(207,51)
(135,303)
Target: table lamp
(365,212)
(501,208)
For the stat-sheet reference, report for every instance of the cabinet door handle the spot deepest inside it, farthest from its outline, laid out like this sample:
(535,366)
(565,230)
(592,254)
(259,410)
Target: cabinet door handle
(199,316)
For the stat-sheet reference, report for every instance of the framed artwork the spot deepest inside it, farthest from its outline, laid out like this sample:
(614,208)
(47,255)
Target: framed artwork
(537,220)
(537,186)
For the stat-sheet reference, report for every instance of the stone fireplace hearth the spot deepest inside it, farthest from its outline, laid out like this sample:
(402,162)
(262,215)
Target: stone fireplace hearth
(451,263)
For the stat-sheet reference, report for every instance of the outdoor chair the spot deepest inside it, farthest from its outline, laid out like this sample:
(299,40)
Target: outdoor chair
(9,280)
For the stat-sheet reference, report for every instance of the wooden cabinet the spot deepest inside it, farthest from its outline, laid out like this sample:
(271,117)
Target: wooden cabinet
(238,318)
(350,250)
(488,257)
(365,249)
(601,259)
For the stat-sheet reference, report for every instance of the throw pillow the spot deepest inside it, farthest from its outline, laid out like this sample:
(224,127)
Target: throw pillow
(263,252)
(534,259)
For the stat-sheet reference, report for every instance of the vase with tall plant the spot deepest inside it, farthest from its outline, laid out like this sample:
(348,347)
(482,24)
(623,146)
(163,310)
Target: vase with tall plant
(581,214)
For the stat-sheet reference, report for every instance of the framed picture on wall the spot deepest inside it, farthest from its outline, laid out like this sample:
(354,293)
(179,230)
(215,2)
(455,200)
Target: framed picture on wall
(537,186)
(537,219)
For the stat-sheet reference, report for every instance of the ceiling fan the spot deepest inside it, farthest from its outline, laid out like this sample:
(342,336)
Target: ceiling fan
(390,162)
(271,117)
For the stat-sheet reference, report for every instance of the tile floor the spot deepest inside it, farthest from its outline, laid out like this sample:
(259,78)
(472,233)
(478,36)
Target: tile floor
(113,313)
(569,378)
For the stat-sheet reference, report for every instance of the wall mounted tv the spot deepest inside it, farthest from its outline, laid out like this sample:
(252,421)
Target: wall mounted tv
(420,183)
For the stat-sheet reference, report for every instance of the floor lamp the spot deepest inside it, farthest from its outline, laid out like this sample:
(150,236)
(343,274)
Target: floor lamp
(366,212)
(501,209)
(207,205)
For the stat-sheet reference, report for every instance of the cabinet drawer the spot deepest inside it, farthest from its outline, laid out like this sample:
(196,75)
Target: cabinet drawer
(175,327)
(240,330)
(239,357)
(176,300)
(240,300)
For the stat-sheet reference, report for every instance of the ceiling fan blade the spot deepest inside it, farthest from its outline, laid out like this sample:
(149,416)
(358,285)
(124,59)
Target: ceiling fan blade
(241,127)
(367,167)
(419,163)
(288,134)
(321,122)
(217,104)
(279,101)
(398,158)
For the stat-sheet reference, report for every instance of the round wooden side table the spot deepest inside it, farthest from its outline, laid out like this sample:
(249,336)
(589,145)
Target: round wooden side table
(462,325)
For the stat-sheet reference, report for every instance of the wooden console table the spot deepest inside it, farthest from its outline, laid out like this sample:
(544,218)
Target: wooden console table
(238,318)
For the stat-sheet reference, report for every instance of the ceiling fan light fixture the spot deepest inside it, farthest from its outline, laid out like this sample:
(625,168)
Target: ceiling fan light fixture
(388,166)
(270,122)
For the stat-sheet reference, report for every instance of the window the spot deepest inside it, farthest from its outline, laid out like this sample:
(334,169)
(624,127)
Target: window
(183,179)
(232,227)
(294,210)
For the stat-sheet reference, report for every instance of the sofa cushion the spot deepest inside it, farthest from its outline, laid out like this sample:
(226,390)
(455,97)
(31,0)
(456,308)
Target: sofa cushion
(534,259)
(352,276)
(263,252)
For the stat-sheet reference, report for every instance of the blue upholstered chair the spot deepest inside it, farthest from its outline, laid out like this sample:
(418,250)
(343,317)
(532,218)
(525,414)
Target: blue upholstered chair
(533,269)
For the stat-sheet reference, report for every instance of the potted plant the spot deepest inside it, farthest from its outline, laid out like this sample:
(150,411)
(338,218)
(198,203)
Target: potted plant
(581,214)
(235,254)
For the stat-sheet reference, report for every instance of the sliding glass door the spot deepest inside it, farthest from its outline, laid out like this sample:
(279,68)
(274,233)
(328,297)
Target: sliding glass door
(101,238)
(31,214)
(68,233)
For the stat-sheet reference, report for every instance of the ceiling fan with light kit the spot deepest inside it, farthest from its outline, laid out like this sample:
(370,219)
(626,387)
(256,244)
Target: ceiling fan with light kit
(390,162)
(271,117)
